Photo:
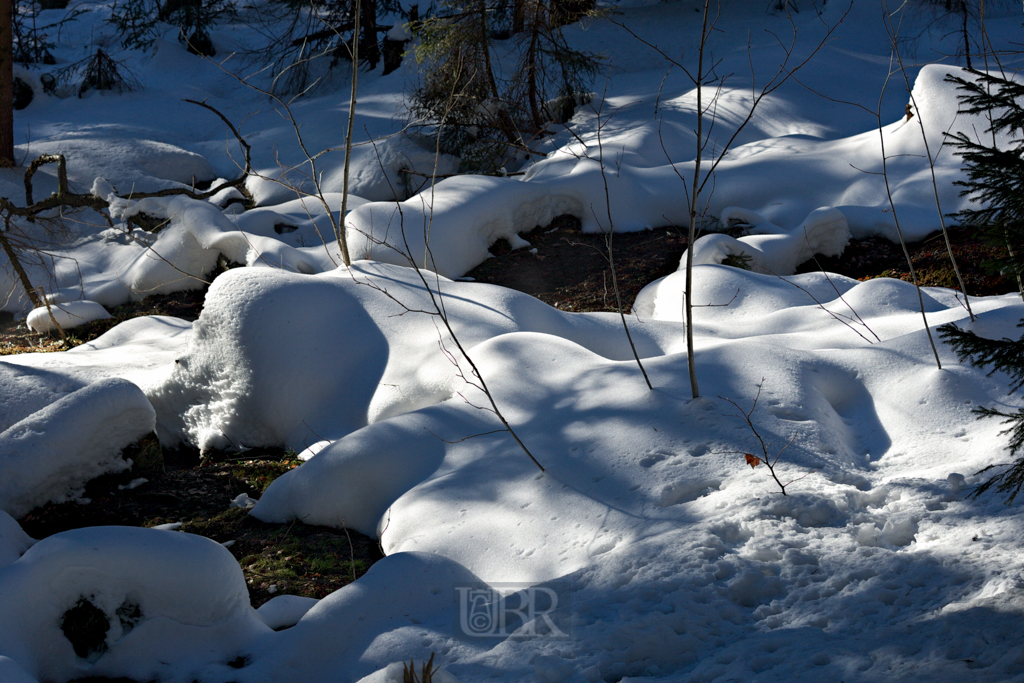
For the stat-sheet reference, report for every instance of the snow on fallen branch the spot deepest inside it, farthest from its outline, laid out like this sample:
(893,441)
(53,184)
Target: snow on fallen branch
(14,241)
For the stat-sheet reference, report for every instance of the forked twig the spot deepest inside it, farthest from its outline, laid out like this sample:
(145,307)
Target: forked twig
(765,457)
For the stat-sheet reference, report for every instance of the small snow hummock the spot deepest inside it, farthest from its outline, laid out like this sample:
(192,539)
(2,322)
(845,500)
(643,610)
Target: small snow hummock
(242,500)
(64,315)
(770,248)
(284,610)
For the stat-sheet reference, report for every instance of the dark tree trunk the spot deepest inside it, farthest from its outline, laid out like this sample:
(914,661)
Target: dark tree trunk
(485,48)
(967,35)
(369,49)
(6,85)
(392,52)
(518,16)
(531,67)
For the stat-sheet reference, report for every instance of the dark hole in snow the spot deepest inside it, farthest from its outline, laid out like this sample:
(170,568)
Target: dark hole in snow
(22,94)
(500,247)
(148,223)
(199,43)
(239,662)
(202,185)
(86,626)
(284,228)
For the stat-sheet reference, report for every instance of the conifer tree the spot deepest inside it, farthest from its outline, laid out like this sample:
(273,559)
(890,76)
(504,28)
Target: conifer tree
(995,174)
(995,181)
(495,74)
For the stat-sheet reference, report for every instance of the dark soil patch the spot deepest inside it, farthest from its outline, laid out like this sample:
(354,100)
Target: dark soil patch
(16,338)
(296,559)
(570,269)
(878,257)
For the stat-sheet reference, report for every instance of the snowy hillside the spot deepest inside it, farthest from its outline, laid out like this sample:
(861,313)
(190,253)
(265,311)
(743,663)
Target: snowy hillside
(646,548)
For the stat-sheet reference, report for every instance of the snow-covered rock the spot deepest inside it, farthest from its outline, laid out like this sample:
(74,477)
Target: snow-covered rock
(771,249)
(51,454)
(175,604)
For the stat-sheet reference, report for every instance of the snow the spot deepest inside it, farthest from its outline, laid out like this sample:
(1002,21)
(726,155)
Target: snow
(49,455)
(284,610)
(64,316)
(13,541)
(771,249)
(138,164)
(673,558)
(178,600)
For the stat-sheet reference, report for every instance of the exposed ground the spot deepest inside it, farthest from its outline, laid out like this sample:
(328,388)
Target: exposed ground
(568,270)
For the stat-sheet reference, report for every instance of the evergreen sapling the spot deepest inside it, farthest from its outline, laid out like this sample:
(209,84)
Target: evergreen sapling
(995,181)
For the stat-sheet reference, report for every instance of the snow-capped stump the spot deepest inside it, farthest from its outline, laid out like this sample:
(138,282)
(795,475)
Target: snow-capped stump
(66,315)
(51,454)
(69,605)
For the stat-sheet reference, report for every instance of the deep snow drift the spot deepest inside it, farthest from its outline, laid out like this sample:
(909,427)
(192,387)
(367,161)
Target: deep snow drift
(670,558)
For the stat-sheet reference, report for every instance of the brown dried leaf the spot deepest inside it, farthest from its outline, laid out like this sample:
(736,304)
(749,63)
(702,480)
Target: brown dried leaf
(752,460)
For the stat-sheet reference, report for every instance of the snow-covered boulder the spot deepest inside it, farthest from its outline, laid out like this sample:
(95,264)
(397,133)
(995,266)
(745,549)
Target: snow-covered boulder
(131,163)
(51,454)
(171,600)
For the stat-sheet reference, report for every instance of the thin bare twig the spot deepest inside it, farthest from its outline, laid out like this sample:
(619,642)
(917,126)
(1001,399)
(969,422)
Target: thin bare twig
(892,203)
(765,457)
(609,236)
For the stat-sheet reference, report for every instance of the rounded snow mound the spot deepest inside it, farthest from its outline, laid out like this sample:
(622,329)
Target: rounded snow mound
(122,601)
(131,164)
(66,315)
(52,453)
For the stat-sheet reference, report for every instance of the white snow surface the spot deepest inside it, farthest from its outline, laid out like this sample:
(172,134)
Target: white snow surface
(801,151)
(13,540)
(64,316)
(675,560)
(49,455)
(177,599)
